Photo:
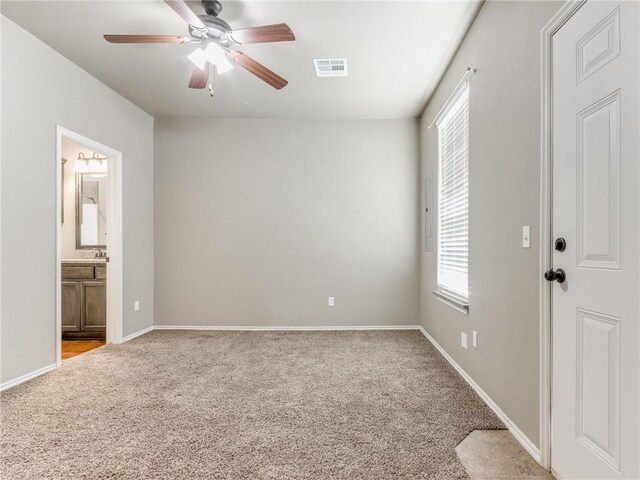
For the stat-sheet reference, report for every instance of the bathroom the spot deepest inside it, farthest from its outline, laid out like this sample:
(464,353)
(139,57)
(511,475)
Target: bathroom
(84,242)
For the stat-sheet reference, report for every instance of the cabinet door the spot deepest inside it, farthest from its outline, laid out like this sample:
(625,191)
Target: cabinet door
(71,307)
(94,296)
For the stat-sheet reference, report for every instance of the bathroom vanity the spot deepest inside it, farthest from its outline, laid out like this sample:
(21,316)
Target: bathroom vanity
(84,299)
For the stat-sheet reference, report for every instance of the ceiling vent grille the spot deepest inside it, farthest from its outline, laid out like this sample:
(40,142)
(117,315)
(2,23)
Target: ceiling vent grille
(330,67)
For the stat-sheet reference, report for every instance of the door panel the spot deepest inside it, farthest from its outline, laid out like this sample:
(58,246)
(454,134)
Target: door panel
(598,184)
(599,46)
(598,387)
(596,207)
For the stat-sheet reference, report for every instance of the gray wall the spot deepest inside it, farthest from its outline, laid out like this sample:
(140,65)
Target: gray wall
(504,164)
(257,222)
(42,89)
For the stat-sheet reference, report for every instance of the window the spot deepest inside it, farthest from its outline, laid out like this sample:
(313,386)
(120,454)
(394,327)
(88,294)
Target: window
(453,199)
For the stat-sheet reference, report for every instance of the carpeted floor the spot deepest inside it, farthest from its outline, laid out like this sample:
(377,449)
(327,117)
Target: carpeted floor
(235,405)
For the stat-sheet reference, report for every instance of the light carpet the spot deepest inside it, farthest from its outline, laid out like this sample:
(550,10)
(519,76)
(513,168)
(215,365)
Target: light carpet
(235,405)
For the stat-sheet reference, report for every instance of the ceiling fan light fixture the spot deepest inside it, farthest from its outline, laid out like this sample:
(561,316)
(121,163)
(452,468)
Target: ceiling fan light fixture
(198,58)
(213,54)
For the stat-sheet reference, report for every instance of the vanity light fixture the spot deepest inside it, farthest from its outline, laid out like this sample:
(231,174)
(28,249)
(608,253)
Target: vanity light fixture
(94,165)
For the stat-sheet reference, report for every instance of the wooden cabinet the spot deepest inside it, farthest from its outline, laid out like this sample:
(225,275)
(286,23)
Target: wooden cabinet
(84,301)
(71,307)
(94,306)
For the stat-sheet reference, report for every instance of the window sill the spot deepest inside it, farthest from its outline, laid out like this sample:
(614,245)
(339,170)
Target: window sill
(453,301)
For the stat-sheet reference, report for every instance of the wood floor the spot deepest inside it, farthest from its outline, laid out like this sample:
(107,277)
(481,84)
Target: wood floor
(71,348)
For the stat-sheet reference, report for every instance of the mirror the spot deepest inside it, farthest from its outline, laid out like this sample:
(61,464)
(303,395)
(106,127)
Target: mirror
(91,215)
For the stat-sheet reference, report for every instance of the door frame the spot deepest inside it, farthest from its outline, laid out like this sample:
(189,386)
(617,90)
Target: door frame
(567,10)
(115,243)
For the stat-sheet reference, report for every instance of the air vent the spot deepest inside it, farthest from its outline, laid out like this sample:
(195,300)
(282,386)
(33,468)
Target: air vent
(330,67)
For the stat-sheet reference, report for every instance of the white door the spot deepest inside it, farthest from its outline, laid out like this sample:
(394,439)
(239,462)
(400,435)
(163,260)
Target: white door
(596,209)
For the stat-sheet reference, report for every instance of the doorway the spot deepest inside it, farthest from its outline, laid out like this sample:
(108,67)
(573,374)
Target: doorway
(590,312)
(88,245)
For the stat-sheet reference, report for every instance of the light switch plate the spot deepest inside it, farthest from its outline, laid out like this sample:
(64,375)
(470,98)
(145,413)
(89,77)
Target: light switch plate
(332,301)
(136,306)
(463,339)
(526,236)
(474,339)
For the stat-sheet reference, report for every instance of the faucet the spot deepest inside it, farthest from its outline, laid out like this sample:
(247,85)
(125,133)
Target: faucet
(99,253)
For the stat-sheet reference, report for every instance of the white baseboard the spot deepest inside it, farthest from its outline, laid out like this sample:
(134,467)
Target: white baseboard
(515,431)
(28,376)
(137,334)
(284,328)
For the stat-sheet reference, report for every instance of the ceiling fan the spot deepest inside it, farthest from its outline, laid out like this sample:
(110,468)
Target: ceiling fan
(216,38)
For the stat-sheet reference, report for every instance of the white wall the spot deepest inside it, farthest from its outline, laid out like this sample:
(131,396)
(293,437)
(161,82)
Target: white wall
(504,195)
(42,89)
(259,221)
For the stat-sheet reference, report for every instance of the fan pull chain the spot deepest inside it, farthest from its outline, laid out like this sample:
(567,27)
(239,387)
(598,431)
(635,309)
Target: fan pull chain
(211,72)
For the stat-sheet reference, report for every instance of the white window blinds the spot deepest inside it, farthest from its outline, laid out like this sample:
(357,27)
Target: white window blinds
(453,198)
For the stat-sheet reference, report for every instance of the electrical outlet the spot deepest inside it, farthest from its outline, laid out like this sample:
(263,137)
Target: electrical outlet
(136,306)
(474,339)
(526,236)
(332,301)
(463,339)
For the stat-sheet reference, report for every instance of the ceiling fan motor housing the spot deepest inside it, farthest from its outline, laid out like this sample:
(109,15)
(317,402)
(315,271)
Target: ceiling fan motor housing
(212,7)
(215,28)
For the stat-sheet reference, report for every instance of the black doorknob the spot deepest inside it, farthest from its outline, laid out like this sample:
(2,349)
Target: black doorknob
(560,244)
(557,275)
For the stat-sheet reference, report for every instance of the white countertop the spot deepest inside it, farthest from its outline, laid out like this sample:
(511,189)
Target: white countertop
(84,260)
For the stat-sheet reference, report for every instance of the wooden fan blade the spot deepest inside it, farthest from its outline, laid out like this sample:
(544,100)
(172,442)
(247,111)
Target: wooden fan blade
(268,33)
(199,78)
(146,39)
(185,12)
(259,70)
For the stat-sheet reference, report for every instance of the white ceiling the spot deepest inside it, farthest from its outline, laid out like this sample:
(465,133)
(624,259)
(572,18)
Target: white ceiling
(396,51)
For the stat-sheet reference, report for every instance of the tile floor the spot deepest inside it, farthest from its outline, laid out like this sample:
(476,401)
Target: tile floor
(497,455)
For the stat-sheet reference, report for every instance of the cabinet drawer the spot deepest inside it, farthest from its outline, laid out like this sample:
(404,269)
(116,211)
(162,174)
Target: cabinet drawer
(101,272)
(77,272)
